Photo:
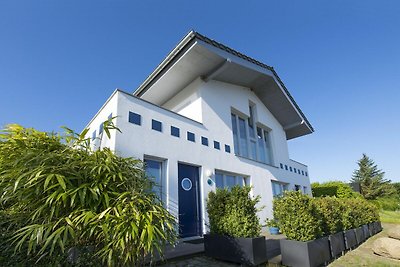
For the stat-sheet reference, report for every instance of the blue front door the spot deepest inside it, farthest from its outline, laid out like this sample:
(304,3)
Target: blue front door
(189,201)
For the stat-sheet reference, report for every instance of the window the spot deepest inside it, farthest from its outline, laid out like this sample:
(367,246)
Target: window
(278,188)
(190,136)
(286,168)
(156,125)
(302,172)
(291,169)
(204,141)
(110,116)
(154,170)
(174,131)
(305,189)
(135,118)
(227,149)
(295,170)
(216,145)
(101,127)
(297,187)
(281,166)
(229,180)
(94,135)
(306,173)
(251,141)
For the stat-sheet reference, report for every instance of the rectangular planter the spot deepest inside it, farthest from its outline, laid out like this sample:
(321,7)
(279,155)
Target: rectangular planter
(247,251)
(379,226)
(311,253)
(366,231)
(371,229)
(359,235)
(350,238)
(336,243)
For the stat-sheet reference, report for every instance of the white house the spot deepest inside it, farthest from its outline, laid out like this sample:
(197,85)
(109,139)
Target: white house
(208,117)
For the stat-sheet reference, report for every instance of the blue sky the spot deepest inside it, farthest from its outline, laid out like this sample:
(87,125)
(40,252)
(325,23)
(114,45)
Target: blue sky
(60,60)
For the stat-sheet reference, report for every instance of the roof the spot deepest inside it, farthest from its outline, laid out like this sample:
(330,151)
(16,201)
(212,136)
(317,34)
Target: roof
(187,42)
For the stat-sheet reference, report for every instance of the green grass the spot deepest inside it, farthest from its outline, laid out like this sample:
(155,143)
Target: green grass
(390,216)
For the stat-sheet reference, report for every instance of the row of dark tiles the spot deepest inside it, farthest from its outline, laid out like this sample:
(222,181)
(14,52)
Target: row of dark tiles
(156,125)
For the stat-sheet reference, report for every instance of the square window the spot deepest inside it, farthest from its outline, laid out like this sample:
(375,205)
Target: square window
(156,125)
(190,136)
(227,149)
(216,145)
(286,168)
(281,166)
(291,169)
(204,141)
(93,135)
(175,131)
(295,170)
(306,174)
(135,118)
(302,172)
(110,116)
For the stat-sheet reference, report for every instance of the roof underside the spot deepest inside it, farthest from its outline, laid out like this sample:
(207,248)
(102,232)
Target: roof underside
(197,56)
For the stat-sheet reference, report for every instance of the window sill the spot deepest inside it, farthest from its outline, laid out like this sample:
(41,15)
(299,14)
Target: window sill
(256,161)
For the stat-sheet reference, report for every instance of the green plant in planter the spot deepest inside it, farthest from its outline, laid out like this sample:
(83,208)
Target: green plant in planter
(331,211)
(233,212)
(299,218)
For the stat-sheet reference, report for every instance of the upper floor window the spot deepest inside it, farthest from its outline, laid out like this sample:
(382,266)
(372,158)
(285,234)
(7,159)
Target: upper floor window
(251,140)
(278,188)
(229,180)
(156,125)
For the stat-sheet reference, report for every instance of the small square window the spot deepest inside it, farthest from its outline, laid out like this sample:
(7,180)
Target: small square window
(216,145)
(227,149)
(281,166)
(110,116)
(175,131)
(295,170)
(93,135)
(135,118)
(190,136)
(291,169)
(298,171)
(302,172)
(286,168)
(306,174)
(204,141)
(156,125)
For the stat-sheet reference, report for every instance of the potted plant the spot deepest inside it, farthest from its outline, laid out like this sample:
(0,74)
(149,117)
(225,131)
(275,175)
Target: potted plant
(273,226)
(299,221)
(234,227)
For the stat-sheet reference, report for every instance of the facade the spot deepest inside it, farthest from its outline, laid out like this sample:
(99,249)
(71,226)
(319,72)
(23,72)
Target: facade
(208,117)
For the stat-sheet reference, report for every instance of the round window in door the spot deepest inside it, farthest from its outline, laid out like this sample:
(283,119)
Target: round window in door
(186,184)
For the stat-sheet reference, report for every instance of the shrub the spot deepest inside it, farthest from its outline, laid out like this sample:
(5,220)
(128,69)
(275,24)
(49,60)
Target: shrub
(331,210)
(298,216)
(65,195)
(334,189)
(392,203)
(233,212)
(358,212)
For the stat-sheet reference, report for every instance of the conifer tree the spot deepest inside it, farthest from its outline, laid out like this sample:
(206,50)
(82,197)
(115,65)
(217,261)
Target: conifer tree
(371,180)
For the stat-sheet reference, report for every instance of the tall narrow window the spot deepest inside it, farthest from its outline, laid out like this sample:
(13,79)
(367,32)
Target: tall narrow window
(268,153)
(235,134)
(261,145)
(243,138)
(153,170)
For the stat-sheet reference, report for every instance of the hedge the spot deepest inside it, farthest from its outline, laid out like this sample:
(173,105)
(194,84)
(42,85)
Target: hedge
(303,218)
(334,189)
(233,212)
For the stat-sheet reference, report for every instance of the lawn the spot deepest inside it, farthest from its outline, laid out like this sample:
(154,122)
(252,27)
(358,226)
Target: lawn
(390,216)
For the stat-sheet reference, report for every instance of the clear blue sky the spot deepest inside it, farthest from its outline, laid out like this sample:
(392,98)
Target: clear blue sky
(60,60)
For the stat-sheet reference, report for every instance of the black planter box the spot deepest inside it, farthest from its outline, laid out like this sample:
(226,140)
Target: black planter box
(366,231)
(336,243)
(248,251)
(310,253)
(359,235)
(379,226)
(350,237)
(371,229)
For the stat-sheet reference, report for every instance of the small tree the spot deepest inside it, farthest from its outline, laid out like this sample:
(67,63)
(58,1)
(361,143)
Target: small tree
(371,179)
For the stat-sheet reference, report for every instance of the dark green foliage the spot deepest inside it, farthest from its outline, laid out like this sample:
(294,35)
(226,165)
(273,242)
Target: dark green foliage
(233,212)
(298,217)
(334,189)
(303,218)
(65,195)
(371,180)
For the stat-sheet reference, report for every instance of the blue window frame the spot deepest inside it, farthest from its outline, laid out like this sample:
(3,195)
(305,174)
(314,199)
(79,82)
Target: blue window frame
(156,125)
(216,145)
(135,118)
(94,135)
(281,166)
(101,128)
(286,168)
(191,137)
(227,149)
(204,141)
(175,131)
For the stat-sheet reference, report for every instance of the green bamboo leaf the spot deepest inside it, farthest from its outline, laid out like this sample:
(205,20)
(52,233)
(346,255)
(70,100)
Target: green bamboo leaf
(61,181)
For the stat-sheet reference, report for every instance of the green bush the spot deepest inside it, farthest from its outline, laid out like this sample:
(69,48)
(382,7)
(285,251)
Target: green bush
(298,216)
(331,210)
(63,195)
(233,212)
(358,212)
(334,189)
(392,203)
